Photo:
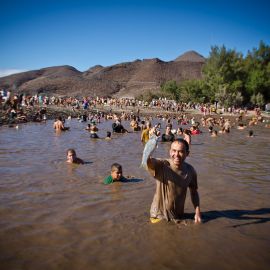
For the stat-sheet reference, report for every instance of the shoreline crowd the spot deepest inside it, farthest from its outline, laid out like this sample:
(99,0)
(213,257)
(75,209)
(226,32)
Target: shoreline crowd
(21,108)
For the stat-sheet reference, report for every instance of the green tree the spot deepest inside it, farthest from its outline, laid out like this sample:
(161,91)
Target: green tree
(228,77)
(224,75)
(191,91)
(257,66)
(170,89)
(257,99)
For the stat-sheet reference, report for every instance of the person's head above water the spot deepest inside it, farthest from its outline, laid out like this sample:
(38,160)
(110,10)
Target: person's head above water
(71,155)
(116,171)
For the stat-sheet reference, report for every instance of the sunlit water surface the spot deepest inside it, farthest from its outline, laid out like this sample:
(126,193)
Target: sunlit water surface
(59,216)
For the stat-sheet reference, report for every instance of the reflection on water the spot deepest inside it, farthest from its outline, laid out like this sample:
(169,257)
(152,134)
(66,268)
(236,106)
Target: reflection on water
(55,215)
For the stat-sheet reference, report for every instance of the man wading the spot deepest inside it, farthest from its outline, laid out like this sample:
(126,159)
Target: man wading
(173,176)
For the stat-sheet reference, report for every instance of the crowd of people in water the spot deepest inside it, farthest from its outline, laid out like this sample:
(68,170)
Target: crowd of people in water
(185,125)
(176,130)
(171,124)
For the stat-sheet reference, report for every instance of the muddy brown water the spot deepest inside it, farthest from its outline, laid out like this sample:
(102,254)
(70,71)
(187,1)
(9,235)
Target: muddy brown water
(59,216)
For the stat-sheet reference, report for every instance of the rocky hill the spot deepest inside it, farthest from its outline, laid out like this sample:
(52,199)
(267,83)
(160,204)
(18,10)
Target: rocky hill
(190,56)
(125,79)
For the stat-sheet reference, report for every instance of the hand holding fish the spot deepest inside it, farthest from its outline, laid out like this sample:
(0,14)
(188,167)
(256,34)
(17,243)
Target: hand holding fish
(149,148)
(154,131)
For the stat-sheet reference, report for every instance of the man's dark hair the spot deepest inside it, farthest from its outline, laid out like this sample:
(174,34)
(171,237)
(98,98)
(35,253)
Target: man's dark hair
(180,140)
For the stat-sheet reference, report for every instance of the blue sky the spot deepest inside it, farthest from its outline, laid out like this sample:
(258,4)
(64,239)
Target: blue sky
(38,34)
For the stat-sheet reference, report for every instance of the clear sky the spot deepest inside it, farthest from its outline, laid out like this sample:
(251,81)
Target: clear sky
(38,34)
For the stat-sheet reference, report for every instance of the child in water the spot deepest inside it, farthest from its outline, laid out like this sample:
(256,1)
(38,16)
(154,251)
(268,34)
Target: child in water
(72,157)
(116,175)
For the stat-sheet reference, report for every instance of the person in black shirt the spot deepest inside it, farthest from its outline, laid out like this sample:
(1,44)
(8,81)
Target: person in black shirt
(168,136)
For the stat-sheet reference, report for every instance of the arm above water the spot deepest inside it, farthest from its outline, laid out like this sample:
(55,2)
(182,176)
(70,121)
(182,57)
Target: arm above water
(195,198)
(196,203)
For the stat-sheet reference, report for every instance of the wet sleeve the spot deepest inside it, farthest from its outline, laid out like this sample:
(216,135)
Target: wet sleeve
(163,138)
(159,170)
(193,183)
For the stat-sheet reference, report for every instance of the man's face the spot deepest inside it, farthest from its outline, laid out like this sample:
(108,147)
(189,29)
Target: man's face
(168,130)
(116,174)
(178,153)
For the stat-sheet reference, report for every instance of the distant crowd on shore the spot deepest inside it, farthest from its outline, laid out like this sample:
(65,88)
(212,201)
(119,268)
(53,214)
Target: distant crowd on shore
(15,105)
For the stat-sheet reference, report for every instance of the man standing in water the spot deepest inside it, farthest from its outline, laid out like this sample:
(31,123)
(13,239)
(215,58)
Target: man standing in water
(173,176)
(59,125)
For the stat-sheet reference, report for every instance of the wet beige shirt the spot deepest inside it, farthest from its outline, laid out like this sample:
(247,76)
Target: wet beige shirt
(171,189)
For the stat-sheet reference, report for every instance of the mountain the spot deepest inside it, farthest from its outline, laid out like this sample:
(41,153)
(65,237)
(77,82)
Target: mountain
(191,56)
(128,79)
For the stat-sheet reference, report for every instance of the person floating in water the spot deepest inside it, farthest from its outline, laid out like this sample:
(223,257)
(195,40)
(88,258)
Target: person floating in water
(116,175)
(174,176)
(72,157)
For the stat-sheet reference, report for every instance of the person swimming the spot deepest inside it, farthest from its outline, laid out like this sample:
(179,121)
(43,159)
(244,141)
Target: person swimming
(72,157)
(116,175)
